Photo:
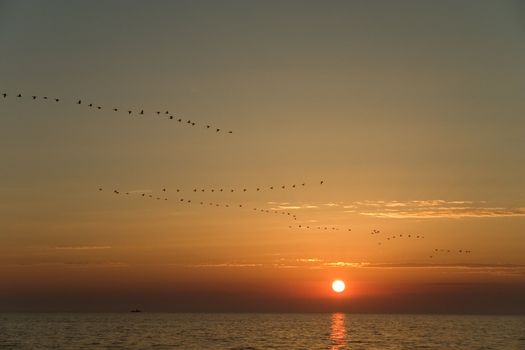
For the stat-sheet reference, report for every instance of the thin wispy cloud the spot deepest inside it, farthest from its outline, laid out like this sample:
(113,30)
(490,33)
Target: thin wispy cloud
(433,209)
(451,213)
(288,206)
(82,247)
(72,263)
(227,264)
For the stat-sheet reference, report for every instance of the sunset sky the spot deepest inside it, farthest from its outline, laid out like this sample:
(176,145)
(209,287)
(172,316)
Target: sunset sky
(411,112)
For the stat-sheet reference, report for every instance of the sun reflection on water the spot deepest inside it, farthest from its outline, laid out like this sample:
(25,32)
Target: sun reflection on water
(338,333)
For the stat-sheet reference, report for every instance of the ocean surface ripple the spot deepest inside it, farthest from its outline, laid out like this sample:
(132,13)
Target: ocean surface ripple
(259,331)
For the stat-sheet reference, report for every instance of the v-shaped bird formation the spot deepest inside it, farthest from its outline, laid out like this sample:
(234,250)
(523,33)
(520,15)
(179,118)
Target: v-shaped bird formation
(383,238)
(127,111)
(162,196)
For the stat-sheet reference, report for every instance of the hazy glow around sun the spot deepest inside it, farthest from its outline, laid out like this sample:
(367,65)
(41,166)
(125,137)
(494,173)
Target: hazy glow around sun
(338,286)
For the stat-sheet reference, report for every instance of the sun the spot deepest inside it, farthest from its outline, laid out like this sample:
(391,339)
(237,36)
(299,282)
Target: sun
(338,286)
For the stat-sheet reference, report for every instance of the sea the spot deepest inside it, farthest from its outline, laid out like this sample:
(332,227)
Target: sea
(335,331)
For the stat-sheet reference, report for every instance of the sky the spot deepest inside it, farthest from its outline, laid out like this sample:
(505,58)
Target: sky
(410,112)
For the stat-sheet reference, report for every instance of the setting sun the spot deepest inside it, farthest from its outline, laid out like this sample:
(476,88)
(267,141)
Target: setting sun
(338,286)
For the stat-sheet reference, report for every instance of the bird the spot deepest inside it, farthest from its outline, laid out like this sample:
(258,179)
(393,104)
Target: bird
(115,109)
(218,130)
(142,111)
(166,112)
(143,194)
(179,120)
(258,188)
(163,190)
(271,187)
(129,112)
(171,117)
(207,126)
(244,190)
(4,94)
(34,97)
(57,99)
(189,121)
(79,102)
(230,132)
(19,95)
(158,112)
(45,97)
(100,189)
(98,107)
(90,105)
(193,123)
(322,182)
(283,187)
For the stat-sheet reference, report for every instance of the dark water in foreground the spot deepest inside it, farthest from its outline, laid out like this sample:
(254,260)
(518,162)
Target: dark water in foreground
(259,331)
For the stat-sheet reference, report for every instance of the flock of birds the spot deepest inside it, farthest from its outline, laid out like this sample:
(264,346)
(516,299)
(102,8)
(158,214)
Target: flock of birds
(449,251)
(232,190)
(130,112)
(374,232)
(213,204)
(163,197)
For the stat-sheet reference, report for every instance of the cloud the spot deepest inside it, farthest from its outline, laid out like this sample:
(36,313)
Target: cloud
(223,265)
(346,264)
(309,260)
(72,263)
(288,206)
(451,213)
(82,247)
(432,209)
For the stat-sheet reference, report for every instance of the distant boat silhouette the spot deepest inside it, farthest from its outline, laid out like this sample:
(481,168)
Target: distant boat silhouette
(135,310)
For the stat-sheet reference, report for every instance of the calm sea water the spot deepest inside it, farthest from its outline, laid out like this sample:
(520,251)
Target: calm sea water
(259,331)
